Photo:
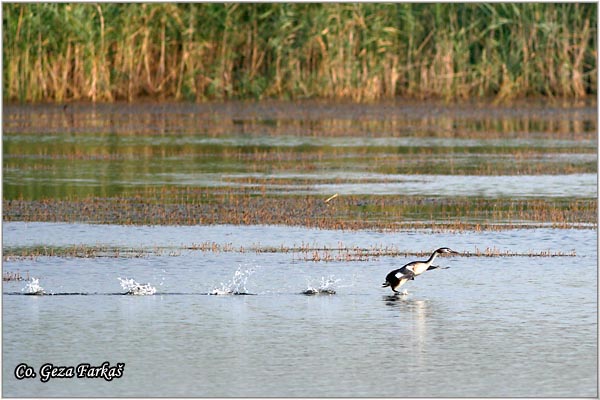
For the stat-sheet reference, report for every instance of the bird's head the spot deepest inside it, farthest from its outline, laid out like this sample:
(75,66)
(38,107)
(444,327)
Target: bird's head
(445,250)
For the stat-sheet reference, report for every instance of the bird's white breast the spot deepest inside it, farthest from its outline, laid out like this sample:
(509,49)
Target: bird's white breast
(419,268)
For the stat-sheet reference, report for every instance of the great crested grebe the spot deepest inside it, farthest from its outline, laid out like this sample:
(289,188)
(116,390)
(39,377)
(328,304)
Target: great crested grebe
(400,276)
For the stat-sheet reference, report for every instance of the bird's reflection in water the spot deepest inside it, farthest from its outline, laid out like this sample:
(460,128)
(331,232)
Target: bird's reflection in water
(414,314)
(404,302)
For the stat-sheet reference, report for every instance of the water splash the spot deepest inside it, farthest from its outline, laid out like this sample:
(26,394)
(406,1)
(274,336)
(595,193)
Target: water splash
(327,286)
(33,287)
(136,289)
(237,284)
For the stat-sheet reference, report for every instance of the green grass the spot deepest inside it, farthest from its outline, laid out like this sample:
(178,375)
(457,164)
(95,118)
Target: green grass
(359,52)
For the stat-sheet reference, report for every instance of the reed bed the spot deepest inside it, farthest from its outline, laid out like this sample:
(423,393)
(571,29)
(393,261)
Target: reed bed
(304,252)
(75,251)
(375,253)
(9,276)
(194,206)
(359,52)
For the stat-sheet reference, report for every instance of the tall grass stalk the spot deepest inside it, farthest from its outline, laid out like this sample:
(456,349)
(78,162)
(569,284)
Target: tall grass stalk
(360,52)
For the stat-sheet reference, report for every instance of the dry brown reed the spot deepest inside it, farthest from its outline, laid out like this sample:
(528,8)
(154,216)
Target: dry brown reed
(9,276)
(360,52)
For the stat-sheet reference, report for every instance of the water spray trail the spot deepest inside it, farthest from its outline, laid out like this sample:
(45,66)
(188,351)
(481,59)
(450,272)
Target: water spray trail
(33,287)
(327,286)
(237,284)
(136,289)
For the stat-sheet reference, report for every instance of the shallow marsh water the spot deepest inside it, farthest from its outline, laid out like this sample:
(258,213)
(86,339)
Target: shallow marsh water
(513,326)
(486,326)
(106,150)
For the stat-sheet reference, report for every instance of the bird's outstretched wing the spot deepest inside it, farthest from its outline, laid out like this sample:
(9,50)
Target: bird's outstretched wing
(405,273)
(401,273)
(407,270)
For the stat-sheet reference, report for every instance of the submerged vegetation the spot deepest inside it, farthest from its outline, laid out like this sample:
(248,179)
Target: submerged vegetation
(360,52)
(189,206)
(277,163)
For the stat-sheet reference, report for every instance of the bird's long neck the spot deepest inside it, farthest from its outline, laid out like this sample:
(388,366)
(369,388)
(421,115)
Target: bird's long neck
(433,256)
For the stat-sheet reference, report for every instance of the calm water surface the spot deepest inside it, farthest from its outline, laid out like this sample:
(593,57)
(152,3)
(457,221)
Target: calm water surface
(401,149)
(510,326)
(484,327)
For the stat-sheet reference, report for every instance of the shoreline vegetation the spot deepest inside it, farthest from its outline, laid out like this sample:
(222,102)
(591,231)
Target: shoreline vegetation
(63,52)
(349,212)
(257,163)
(303,252)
